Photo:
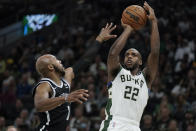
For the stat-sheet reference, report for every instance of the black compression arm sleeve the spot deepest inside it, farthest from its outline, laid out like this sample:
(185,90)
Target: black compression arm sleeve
(86,58)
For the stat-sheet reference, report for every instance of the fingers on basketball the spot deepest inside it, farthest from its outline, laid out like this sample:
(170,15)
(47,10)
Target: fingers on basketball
(135,16)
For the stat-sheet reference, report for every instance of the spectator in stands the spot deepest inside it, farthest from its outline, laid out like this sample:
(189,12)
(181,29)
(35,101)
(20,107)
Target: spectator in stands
(79,122)
(96,120)
(18,122)
(179,88)
(13,110)
(9,90)
(2,65)
(191,92)
(173,126)
(157,93)
(181,106)
(103,95)
(189,121)
(147,123)
(95,67)
(34,120)
(163,119)
(24,87)
(164,103)
(190,128)
(91,106)
(2,123)
(24,114)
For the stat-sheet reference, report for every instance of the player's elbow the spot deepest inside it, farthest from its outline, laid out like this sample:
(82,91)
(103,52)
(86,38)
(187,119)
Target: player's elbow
(38,110)
(39,107)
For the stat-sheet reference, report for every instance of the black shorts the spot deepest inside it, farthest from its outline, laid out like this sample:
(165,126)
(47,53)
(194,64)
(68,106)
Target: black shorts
(54,127)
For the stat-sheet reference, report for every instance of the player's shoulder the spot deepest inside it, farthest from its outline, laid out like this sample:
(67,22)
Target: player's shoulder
(123,68)
(42,86)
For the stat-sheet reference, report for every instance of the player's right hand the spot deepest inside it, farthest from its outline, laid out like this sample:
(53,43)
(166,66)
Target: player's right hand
(79,96)
(126,26)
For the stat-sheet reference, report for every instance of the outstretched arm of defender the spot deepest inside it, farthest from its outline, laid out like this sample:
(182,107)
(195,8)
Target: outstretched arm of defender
(153,59)
(113,63)
(104,35)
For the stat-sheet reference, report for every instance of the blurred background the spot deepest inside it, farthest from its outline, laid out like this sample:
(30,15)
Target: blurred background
(66,28)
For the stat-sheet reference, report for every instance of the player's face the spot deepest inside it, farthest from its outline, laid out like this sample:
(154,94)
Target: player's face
(58,67)
(132,59)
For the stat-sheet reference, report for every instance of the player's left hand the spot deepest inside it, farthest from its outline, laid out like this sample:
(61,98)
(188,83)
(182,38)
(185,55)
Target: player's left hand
(150,10)
(105,35)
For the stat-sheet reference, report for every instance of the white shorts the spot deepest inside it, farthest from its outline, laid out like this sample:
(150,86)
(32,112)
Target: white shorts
(118,125)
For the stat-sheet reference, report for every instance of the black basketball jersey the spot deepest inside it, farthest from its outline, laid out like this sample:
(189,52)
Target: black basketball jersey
(55,120)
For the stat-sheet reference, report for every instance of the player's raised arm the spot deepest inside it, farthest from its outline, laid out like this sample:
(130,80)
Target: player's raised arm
(69,75)
(104,35)
(153,59)
(113,63)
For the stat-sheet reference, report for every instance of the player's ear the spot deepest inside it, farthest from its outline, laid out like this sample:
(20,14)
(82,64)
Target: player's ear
(50,67)
(140,62)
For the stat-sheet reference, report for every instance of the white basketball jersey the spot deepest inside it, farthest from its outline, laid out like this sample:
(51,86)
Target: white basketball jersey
(128,96)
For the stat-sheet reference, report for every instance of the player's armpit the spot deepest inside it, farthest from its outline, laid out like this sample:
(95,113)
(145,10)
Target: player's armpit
(116,71)
(151,68)
(146,74)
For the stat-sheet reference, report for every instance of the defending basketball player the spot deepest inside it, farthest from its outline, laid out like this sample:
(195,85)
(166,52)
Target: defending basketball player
(127,85)
(52,95)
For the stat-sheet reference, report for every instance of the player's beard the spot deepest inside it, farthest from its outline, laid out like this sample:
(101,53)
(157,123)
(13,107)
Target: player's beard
(60,71)
(133,67)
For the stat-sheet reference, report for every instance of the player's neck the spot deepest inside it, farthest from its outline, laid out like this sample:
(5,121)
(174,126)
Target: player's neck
(55,78)
(135,71)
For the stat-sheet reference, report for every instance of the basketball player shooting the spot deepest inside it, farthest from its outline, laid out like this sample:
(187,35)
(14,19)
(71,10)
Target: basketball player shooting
(52,95)
(127,85)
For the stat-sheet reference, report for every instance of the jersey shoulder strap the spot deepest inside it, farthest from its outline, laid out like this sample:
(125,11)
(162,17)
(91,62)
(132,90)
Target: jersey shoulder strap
(52,85)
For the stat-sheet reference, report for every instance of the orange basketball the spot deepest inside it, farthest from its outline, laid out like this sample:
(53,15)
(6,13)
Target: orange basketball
(135,16)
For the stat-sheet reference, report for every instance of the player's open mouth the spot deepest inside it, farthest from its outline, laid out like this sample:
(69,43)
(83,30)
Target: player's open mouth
(129,62)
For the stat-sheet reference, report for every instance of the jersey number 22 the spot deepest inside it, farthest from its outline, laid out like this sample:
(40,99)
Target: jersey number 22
(128,91)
